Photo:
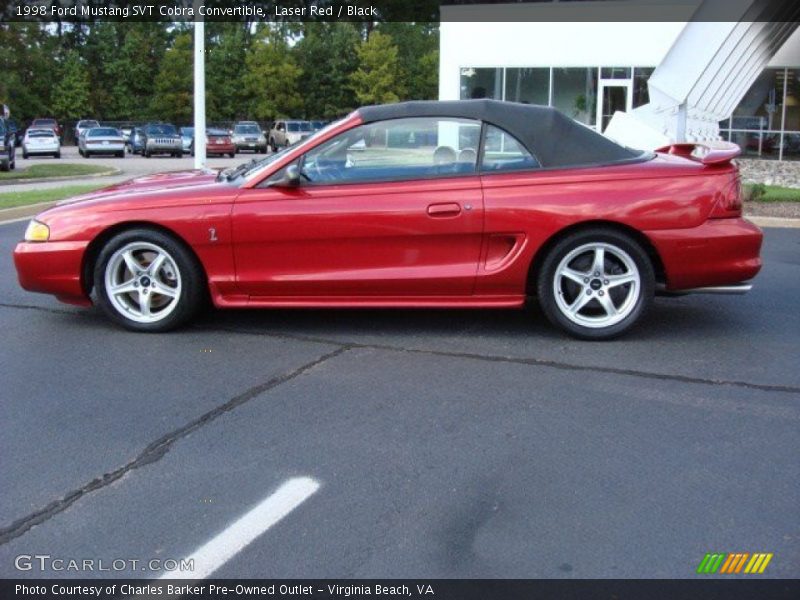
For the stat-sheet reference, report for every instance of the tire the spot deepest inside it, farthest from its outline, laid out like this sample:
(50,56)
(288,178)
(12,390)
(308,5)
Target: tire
(57,155)
(4,166)
(121,154)
(272,145)
(591,302)
(24,156)
(146,153)
(232,154)
(179,274)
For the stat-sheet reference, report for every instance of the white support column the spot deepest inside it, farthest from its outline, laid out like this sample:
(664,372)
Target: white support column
(199,93)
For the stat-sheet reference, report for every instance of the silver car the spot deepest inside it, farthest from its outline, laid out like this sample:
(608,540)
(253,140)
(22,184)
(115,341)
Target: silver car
(83,126)
(102,140)
(39,142)
(247,135)
(162,138)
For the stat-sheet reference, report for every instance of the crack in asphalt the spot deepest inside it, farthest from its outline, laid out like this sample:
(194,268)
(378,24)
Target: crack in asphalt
(158,449)
(538,362)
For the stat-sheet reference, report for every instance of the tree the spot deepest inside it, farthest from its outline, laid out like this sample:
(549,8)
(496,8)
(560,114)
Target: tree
(327,56)
(375,81)
(71,93)
(173,97)
(272,76)
(140,57)
(225,68)
(26,64)
(418,57)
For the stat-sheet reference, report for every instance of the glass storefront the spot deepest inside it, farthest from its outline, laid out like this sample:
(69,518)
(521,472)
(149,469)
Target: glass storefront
(766,123)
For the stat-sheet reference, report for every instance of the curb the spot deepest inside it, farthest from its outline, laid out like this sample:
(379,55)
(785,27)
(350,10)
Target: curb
(774,221)
(111,173)
(17,213)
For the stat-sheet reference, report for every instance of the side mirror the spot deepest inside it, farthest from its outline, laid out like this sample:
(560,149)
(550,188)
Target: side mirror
(291,178)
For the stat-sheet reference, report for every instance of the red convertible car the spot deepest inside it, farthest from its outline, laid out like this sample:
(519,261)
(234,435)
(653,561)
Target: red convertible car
(474,203)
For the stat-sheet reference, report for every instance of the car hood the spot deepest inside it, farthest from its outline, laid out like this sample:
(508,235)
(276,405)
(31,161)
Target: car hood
(160,182)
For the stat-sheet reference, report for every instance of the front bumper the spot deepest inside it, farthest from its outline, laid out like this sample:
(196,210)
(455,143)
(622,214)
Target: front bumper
(720,252)
(159,148)
(52,268)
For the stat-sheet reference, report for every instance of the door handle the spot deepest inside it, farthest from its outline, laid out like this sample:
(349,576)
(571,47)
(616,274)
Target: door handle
(446,209)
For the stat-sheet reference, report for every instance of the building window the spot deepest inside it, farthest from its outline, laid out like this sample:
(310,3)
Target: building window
(481,83)
(575,93)
(529,86)
(615,73)
(641,94)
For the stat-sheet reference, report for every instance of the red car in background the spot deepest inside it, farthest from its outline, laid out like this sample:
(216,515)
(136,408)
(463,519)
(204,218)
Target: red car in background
(219,142)
(473,203)
(46,123)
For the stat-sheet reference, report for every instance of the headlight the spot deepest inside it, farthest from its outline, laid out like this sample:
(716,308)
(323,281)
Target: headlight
(37,232)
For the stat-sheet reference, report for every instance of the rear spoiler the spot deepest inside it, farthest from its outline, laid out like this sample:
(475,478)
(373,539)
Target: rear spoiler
(708,153)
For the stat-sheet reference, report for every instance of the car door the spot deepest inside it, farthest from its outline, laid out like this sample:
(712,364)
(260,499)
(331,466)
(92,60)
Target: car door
(390,209)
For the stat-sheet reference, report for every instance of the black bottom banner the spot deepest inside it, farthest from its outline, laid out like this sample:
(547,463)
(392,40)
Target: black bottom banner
(433,589)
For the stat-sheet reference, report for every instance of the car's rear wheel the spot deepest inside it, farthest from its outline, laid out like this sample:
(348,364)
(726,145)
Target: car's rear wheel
(596,284)
(147,281)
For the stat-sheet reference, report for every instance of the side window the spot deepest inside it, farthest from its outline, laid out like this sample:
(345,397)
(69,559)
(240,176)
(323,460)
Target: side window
(397,149)
(502,152)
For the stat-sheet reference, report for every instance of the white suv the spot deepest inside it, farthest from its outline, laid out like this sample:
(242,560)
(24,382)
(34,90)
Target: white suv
(286,133)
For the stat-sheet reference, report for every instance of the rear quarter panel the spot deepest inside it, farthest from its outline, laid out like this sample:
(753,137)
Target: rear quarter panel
(658,194)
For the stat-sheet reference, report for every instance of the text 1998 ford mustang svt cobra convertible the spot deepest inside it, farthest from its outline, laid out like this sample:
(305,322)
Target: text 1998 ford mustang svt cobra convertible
(423,204)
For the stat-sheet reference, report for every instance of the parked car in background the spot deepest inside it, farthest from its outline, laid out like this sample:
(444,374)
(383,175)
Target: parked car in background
(84,125)
(247,135)
(8,147)
(161,138)
(39,142)
(286,133)
(126,133)
(135,142)
(218,141)
(317,125)
(101,140)
(187,137)
(46,122)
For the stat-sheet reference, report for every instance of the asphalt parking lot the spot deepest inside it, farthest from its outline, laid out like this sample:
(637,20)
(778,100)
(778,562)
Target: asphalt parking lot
(430,443)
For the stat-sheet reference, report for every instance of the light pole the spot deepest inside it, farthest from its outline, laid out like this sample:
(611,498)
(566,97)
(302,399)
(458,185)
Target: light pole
(199,91)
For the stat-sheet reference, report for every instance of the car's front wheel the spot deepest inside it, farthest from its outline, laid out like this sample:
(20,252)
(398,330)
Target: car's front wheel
(596,284)
(147,281)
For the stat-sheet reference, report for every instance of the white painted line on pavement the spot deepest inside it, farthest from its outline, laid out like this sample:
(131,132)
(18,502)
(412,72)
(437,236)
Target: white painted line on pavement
(216,552)
(15,220)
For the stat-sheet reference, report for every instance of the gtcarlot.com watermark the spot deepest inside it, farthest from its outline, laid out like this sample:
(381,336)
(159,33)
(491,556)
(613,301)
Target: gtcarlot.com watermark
(48,563)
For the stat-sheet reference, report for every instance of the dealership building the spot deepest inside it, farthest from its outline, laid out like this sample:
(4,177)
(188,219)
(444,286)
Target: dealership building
(644,83)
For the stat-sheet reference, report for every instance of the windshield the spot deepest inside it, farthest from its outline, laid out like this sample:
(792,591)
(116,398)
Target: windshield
(298,126)
(217,132)
(246,129)
(103,132)
(161,130)
(88,124)
(254,168)
(44,122)
(187,131)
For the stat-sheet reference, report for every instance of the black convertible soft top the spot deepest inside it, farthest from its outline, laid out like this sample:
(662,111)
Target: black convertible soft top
(551,136)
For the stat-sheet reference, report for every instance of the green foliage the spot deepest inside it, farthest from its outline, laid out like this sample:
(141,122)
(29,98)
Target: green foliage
(143,70)
(375,80)
(271,77)
(327,57)
(759,192)
(71,93)
(227,50)
(173,90)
